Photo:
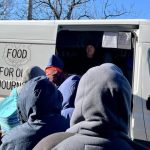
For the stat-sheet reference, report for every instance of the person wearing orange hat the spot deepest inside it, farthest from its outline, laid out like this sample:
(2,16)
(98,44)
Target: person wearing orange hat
(54,70)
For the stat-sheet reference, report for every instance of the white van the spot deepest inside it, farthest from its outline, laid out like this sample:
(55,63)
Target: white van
(123,42)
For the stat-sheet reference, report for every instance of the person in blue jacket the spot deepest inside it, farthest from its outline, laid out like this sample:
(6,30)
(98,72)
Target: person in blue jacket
(39,108)
(68,90)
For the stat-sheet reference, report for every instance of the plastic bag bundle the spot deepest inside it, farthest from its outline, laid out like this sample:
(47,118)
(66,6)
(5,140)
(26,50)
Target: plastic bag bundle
(8,112)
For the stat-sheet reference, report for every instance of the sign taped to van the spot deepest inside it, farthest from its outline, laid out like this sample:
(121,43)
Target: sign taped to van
(120,40)
(110,39)
(124,40)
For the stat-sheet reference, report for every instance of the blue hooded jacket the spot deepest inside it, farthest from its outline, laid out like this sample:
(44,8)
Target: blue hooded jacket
(68,90)
(39,107)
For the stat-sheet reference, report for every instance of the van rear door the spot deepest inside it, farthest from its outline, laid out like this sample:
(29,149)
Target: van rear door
(146,87)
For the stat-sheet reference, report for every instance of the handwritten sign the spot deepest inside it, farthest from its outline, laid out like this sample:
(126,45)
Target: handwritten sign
(13,61)
(15,57)
(9,85)
(11,72)
(16,54)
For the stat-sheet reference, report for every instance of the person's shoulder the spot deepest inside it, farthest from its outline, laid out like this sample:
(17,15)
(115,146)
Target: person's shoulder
(8,145)
(19,136)
(10,135)
(72,142)
(15,134)
(52,140)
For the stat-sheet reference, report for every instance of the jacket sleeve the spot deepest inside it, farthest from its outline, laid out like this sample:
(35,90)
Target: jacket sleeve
(7,146)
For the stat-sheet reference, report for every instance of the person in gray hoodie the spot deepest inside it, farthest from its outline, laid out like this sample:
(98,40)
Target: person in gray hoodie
(101,117)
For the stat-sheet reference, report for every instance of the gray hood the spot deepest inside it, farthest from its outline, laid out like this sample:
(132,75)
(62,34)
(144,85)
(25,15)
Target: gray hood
(103,102)
(32,72)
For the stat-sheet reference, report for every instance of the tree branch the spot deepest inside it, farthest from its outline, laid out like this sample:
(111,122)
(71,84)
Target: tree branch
(115,12)
(73,5)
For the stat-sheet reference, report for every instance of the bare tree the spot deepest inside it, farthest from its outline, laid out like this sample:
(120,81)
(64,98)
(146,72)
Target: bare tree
(5,9)
(79,9)
(62,9)
(29,17)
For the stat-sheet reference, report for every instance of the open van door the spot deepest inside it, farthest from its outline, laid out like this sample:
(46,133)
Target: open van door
(146,87)
(23,44)
(141,92)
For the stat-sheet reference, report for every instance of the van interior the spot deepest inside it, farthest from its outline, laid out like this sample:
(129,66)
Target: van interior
(70,46)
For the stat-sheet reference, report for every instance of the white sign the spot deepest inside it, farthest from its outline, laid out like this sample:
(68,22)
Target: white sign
(120,40)
(110,39)
(124,40)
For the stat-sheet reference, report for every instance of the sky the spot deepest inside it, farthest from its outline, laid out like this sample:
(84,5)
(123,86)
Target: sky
(140,8)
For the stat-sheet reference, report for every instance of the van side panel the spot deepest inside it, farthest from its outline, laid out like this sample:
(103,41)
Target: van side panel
(14,58)
(28,32)
(144,34)
(23,45)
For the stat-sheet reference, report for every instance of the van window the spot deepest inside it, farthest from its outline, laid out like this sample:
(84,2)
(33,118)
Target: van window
(71,45)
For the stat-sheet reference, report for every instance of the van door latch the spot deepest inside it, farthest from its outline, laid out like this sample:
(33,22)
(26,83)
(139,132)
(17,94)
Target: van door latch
(148,103)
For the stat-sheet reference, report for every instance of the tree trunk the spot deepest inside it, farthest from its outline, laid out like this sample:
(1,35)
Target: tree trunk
(29,17)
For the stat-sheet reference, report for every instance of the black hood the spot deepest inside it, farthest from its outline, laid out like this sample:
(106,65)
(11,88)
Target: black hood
(37,99)
(103,102)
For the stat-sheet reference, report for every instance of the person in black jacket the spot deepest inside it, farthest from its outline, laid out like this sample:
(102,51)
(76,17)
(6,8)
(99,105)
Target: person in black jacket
(89,59)
(39,108)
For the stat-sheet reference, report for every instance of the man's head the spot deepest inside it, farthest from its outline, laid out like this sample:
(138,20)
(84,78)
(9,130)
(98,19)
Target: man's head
(90,51)
(54,70)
